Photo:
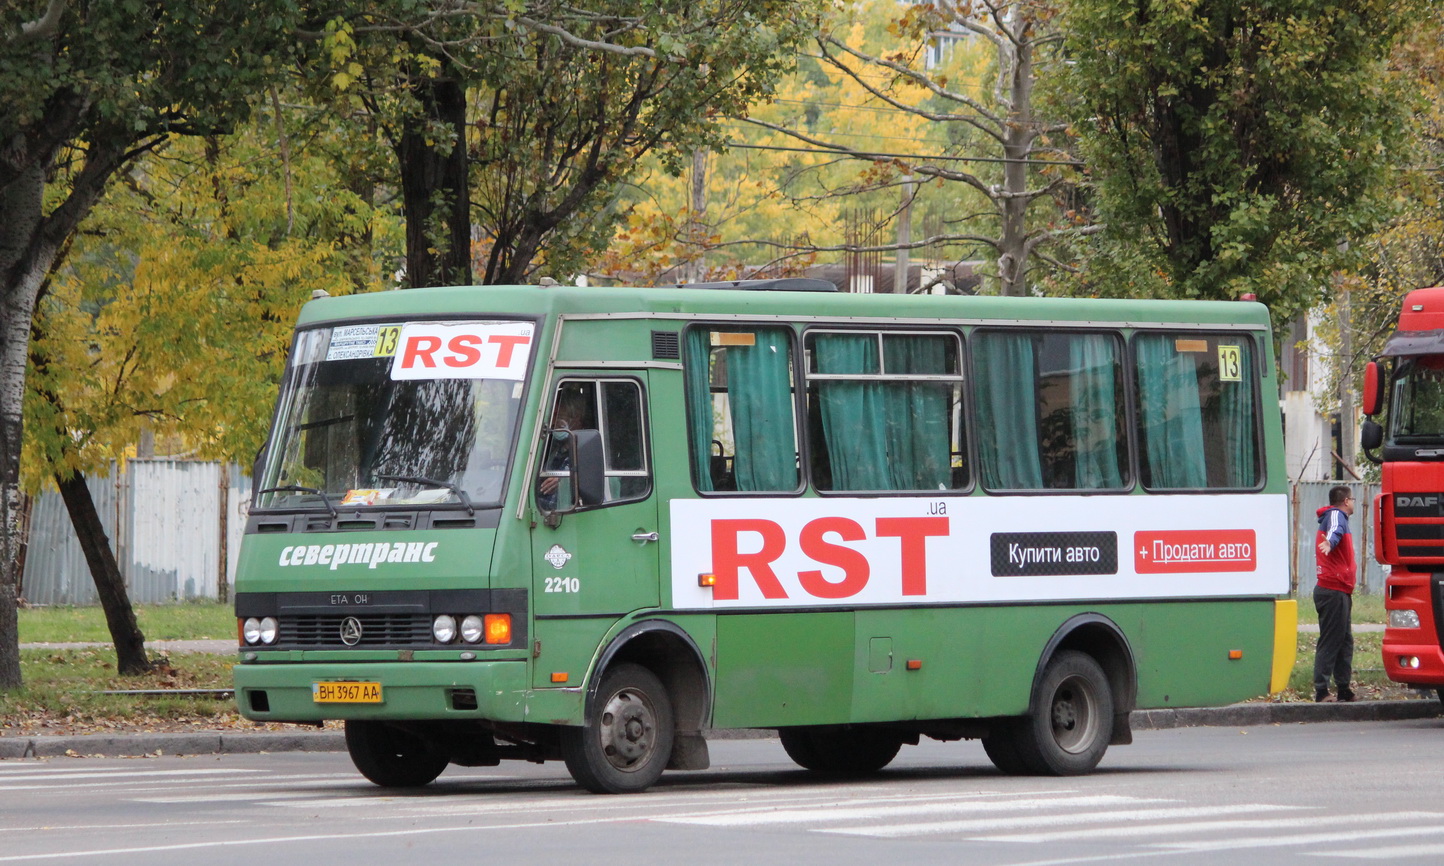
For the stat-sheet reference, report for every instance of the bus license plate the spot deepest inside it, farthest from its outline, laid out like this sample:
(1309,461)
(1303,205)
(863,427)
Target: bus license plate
(346,693)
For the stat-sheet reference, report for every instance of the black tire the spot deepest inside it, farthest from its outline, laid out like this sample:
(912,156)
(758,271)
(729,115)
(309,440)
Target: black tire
(1001,744)
(1072,719)
(627,739)
(391,757)
(848,752)
(1440,694)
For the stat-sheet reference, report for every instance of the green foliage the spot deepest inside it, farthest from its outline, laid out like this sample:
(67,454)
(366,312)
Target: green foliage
(174,309)
(1234,146)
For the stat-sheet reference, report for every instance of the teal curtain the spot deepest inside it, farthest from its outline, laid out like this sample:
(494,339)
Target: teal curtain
(1170,414)
(759,392)
(1007,410)
(854,415)
(918,413)
(697,373)
(1094,405)
(1239,440)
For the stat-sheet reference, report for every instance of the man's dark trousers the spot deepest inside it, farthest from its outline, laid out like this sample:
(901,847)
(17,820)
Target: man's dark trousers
(1336,642)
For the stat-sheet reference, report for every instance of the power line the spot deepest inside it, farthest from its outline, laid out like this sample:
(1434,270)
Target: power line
(910,156)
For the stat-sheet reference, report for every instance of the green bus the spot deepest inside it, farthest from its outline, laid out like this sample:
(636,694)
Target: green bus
(592,524)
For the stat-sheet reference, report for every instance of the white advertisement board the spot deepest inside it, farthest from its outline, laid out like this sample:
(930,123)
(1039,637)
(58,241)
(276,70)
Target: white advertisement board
(933,550)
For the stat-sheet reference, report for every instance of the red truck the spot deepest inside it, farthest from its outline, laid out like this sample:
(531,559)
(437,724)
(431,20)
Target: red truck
(1405,385)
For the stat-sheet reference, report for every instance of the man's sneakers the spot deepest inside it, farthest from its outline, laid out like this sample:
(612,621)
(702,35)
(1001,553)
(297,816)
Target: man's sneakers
(1344,697)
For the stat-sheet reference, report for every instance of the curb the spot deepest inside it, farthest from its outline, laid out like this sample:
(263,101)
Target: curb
(223,743)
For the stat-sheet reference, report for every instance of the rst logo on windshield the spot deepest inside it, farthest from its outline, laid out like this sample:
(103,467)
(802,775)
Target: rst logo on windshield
(463,350)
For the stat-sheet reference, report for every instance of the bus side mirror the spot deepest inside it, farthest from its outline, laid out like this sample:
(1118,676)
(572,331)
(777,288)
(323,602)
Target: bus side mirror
(588,471)
(586,475)
(1373,388)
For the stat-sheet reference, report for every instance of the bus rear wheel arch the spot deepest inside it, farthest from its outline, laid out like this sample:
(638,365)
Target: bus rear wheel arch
(1069,726)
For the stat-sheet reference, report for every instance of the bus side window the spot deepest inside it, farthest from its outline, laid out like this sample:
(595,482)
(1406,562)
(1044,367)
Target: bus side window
(740,407)
(1050,410)
(884,411)
(1197,411)
(612,407)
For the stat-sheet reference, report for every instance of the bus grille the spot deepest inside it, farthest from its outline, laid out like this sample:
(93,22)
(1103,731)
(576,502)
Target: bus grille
(376,630)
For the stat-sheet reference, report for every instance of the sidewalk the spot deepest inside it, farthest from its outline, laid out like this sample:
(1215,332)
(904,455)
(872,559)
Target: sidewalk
(304,740)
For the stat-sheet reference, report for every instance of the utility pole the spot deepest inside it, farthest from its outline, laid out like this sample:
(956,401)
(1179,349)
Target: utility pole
(904,236)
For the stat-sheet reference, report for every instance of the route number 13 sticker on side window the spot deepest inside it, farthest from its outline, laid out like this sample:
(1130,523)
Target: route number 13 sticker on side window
(1230,364)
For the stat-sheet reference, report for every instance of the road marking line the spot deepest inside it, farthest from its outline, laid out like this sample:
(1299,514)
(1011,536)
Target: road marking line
(896,830)
(796,816)
(1200,826)
(1395,852)
(115,774)
(1305,838)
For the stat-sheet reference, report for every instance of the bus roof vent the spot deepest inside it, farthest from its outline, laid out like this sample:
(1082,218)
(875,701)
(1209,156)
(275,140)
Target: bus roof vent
(789,284)
(666,345)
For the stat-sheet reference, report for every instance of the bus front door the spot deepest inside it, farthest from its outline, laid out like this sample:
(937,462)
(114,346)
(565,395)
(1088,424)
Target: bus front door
(600,562)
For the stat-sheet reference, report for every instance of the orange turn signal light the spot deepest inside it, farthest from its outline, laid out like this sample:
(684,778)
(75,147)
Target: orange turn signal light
(498,627)
(559,676)
(1235,654)
(706,580)
(915,664)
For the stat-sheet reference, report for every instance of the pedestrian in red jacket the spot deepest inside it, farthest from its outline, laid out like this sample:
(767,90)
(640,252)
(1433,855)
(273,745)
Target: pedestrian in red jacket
(1334,597)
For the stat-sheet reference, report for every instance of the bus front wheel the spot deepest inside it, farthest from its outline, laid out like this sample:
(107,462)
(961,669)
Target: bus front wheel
(627,739)
(1069,728)
(853,752)
(390,757)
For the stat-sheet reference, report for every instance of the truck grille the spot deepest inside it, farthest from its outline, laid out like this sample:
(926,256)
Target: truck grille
(377,630)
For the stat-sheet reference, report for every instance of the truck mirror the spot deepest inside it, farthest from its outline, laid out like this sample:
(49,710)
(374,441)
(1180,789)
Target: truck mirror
(1371,436)
(1373,388)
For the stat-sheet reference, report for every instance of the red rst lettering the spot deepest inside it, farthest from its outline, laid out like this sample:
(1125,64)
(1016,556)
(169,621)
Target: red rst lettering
(419,349)
(728,561)
(854,565)
(465,350)
(914,533)
(507,343)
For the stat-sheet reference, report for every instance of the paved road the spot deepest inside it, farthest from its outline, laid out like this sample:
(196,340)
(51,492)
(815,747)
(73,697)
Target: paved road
(1184,796)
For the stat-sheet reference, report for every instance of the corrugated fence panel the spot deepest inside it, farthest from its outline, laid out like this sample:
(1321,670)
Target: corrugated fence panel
(174,528)
(168,546)
(1309,497)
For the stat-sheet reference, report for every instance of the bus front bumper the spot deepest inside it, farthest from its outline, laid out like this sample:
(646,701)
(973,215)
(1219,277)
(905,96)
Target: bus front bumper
(308,692)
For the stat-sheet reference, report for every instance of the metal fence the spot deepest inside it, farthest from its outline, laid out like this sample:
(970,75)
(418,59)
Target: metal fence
(175,527)
(1306,499)
(173,522)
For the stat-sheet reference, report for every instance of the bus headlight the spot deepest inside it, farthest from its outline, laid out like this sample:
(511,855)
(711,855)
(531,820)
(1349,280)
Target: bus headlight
(268,629)
(1403,619)
(251,631)
(443,628)
(471,629)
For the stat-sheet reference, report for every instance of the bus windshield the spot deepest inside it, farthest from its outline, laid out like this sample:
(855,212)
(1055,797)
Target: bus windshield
(397,416)
(1418,408)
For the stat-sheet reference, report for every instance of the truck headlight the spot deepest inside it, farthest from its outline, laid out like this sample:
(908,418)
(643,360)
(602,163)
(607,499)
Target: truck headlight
(443,628)
(1403,619)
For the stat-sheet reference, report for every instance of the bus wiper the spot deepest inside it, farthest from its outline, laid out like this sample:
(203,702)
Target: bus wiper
(297,488)
(417,479)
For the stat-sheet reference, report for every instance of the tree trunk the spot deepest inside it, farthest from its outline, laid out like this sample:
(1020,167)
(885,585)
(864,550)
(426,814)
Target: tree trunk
(435,193)
(20,211)
(130,657)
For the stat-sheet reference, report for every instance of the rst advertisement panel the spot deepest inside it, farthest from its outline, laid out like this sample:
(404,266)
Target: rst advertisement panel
(894,551)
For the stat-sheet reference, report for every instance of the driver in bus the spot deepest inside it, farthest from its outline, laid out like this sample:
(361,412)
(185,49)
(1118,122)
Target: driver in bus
(570,413)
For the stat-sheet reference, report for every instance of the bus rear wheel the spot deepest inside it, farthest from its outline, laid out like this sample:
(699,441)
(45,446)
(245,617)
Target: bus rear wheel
(391,757)
(627,739)
(853,752)
(1071,723)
